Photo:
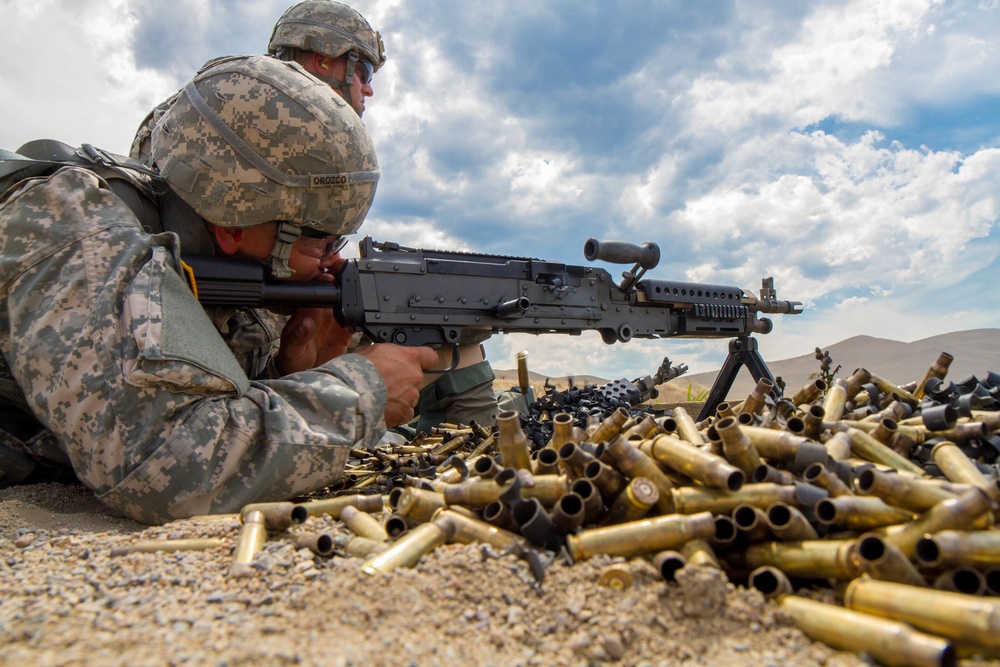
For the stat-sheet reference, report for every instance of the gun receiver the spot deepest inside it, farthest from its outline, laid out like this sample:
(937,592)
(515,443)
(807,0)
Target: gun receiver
(442,298)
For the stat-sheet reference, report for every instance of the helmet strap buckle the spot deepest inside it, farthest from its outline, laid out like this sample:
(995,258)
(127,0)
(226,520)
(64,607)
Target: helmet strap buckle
(288,234)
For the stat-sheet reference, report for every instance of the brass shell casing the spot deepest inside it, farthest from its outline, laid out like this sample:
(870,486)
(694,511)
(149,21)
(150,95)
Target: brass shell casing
(964,619)
(320,544)
(809,393)
(885,562)
(420,504)
(911,493)
(774,444)
(637,538)
(980,548)
(889,642)
(699,553)
(693,499)
(868,448)
(334,506)
(686,427)
(277,516)
(811,559)
(251,540)
(859,512)
(887,388)
(633,503)
(755,400)
(738,448)
(410,547)
(939,369)
(627,458)
(608,481)
(513,443)
(562,431)
(644,428)
(696,463)
(169,546)
(818,474)
(954,513)
(751,522)
(835,400)
(788,524)
(771,581)
(574,459)
(477,493)
(468,530)
(958,467)
(610,428)
(363,524)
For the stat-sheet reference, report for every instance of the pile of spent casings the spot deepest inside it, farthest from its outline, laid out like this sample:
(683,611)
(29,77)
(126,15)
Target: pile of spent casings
(886,493)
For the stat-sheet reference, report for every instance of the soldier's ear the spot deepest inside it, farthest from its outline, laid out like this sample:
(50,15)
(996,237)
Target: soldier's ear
(228,239)
(321,64)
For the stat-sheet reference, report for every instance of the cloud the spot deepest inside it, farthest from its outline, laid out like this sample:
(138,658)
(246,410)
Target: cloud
(849,149)
(69,74)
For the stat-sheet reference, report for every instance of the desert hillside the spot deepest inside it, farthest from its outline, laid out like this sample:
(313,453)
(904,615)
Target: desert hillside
(976,351)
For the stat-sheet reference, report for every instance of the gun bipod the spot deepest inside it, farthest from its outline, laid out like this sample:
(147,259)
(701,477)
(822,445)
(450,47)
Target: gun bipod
(742,352)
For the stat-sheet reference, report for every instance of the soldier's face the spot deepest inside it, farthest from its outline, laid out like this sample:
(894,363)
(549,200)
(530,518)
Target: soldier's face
(313,258)
(361,88)
(332,70)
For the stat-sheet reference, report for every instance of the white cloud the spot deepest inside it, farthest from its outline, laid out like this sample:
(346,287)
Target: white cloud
(69,74)
(519,129)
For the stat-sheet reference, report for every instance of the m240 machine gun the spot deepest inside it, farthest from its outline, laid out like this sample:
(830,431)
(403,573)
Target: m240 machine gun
(440,298)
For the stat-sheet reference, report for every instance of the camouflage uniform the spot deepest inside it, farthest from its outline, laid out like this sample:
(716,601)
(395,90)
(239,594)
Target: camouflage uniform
(120,363)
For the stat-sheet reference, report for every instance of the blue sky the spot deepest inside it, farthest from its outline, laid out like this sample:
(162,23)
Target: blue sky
(849,149)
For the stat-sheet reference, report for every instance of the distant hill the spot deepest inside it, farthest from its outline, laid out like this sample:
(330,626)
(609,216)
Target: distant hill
(508,378)
(976,351)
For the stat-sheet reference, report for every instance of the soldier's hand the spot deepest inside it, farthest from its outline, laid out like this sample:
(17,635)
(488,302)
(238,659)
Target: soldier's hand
(402,368)
(311,337)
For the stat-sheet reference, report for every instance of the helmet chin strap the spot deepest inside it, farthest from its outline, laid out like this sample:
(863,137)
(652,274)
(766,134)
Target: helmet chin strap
(288,234)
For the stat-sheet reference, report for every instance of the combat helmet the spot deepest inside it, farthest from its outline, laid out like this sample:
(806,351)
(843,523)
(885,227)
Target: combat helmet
(330,28)
(253,139)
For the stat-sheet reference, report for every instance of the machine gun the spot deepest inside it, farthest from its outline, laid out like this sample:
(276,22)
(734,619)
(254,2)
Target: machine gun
(442,298)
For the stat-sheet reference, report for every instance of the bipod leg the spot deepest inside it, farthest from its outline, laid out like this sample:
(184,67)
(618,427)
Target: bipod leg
(742,352)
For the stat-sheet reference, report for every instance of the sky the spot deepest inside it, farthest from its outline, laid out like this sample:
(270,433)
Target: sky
(849,149)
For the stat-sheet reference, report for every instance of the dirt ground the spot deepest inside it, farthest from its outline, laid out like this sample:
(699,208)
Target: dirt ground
(65,600)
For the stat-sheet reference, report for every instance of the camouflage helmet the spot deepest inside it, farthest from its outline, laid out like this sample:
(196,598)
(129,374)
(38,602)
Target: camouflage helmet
(253,139)
(329,28)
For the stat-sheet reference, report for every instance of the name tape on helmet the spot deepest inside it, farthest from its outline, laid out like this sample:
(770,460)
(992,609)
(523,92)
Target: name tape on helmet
(342,179)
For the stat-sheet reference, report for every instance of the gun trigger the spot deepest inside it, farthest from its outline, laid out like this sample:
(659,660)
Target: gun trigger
(455,356)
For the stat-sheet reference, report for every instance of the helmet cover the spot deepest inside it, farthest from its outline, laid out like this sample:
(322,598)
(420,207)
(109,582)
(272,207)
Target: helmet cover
(253,139)
(329,28)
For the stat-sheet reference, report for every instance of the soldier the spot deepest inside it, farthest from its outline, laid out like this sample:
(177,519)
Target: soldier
(133,382)
(329,40)
(333,43)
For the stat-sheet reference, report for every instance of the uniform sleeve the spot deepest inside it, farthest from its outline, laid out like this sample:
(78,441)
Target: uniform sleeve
(120,362)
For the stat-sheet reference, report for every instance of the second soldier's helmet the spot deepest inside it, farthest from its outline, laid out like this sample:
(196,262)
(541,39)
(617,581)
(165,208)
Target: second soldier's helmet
(253,139)
(329,28)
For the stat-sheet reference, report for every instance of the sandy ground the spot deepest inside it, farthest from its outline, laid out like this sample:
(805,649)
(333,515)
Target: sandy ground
(65,600)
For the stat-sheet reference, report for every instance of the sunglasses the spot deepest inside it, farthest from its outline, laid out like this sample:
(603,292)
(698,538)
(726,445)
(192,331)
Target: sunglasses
(365,71)
(316,243)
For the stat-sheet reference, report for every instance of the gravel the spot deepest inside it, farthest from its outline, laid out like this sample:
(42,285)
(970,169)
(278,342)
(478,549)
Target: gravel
(64,600)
